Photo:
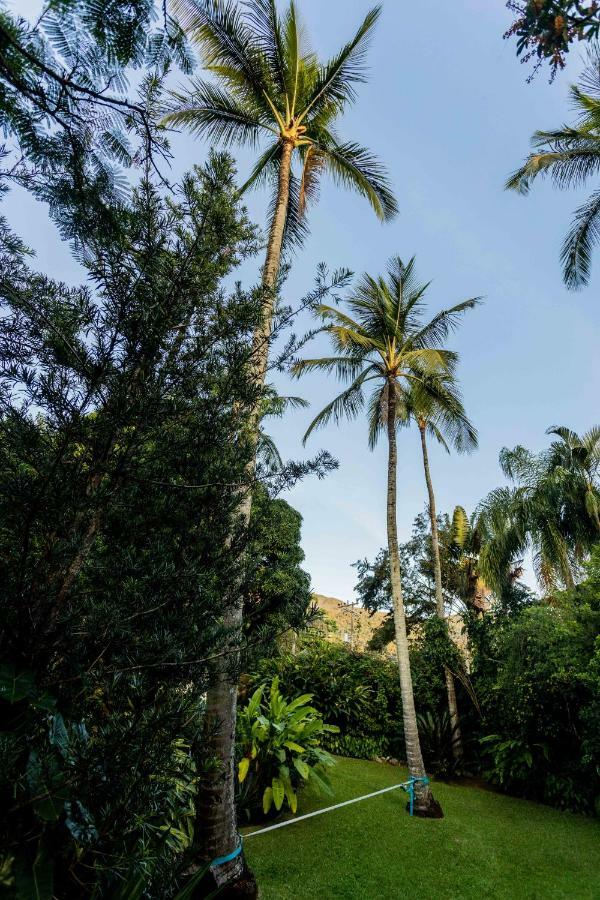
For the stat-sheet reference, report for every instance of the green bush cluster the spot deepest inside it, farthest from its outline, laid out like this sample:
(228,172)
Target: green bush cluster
(537,678)
(358,692)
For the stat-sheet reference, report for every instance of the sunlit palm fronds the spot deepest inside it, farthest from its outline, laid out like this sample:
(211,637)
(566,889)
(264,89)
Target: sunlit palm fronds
(570,156)
(267,85)
(385,337)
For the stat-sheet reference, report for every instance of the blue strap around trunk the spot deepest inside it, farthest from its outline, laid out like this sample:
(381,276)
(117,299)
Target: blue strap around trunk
(411,790)
(221,860)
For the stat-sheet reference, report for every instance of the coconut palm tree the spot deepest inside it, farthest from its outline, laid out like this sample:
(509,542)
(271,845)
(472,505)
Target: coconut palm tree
(571,157)
(267,89)
(441,415)
(384,341)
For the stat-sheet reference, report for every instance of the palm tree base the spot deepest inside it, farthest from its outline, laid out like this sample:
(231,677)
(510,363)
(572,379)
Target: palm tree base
(243,887)
(431,809)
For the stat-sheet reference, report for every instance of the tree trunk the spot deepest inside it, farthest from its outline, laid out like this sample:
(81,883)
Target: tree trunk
(216,806)
(425,804)
(457,748)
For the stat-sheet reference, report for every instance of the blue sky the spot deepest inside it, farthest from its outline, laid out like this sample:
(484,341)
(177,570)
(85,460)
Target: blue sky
(448,109)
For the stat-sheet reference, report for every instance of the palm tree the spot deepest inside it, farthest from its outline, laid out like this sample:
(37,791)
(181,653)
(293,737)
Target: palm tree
(441,415)
(551,508)
(580,456)
(571,156)
(466,539)
(267,85)
(384,339)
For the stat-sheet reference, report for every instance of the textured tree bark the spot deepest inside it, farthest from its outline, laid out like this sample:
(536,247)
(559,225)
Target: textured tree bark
(457,748)
(425,805)
(216,806)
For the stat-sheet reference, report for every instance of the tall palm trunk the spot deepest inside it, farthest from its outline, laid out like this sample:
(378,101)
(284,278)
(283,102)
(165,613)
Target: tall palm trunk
(216,806)
(457,748)
(424,802)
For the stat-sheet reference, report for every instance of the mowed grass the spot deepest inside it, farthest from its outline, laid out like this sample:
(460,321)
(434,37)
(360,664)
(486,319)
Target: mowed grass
(488,845)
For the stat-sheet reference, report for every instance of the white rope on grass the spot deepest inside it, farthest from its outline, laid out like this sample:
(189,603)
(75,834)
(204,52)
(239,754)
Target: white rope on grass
(319,812)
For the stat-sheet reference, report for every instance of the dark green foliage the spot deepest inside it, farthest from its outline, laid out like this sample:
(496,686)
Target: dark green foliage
(438,742)
(535,671)
(359,692)
(545,29)
(418,587)
(123,449)
(118,403)
(278,597)
(431,650)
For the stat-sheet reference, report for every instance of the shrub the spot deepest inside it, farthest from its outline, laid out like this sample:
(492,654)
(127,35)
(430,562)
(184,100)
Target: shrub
(358,692)
(438,742)
(279,748)
(119,784)
(537,678)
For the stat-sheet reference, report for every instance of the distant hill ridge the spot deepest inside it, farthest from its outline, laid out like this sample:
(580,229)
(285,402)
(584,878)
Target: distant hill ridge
(354,625)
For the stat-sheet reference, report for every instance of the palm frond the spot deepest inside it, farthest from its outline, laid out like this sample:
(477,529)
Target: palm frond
(335,82)
(377,413)
(461,527)
(296,225)
(314,162)
(348,405)
(355,167)
(267,453)
(434,430)
(344,367)
(264,20)
(219,30)
(576,254)
(213,113)
(424,363)
(437,330)
(265,169)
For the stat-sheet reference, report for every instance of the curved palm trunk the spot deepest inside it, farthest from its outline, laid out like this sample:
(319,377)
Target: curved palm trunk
(457,748)
(424,802)
(216,806)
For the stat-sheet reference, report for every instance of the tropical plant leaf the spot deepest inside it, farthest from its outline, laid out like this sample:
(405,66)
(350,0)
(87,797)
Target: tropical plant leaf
(15,686)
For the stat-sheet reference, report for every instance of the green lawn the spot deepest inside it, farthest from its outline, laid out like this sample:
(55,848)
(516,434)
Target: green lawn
(487,846)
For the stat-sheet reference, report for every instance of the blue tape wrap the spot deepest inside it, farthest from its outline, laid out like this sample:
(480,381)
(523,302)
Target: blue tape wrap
(221,860)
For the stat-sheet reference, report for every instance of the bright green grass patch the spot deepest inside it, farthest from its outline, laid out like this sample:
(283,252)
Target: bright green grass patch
(488,845)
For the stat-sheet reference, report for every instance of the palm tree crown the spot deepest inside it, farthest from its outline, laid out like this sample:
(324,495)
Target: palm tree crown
(571,156)
(440,412)
(551,508)
(387,340)
(579,457)
(269,86)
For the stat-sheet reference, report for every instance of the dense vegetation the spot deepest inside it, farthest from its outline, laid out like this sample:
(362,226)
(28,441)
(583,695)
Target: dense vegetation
(152,573)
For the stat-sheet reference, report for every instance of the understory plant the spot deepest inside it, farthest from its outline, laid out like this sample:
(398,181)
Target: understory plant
(439,738)
(279,748)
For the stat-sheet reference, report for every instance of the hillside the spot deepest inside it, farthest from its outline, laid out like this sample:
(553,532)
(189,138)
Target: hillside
(352,624)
